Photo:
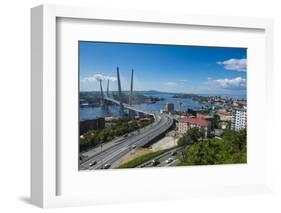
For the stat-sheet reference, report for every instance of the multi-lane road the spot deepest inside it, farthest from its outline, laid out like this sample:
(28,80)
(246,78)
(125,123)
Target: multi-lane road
(166,159)
(113,154)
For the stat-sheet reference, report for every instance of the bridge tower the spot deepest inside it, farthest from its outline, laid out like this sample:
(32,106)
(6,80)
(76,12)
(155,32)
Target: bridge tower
(102,102)
(131,113)
(131,89)
(120,94)
(107,91)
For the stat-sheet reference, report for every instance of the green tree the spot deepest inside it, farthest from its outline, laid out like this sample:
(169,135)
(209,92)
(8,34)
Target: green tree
(191,136)
(195,134)
(215,121)
(95,137)
(230,149)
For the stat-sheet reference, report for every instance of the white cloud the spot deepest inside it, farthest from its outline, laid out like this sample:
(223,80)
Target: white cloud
(170,83)
(235,64)
(98,77)
(231,84)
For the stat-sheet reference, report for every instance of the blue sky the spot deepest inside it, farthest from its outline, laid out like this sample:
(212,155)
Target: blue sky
(168,68)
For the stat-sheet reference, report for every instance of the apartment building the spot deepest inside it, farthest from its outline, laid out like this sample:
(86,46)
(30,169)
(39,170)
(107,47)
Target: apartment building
(239,119)
(187,122)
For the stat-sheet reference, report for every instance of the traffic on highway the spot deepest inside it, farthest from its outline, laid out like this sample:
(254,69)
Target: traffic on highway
(107,158)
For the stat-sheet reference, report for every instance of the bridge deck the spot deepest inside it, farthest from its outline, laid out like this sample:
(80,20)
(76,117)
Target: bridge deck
(127,106)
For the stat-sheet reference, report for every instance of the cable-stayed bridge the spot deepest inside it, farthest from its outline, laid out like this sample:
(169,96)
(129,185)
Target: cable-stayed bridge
(132,109)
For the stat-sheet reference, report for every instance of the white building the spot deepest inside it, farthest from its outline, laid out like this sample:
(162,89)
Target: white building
(239,119)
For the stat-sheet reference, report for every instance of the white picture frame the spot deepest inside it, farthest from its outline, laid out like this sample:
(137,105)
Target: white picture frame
(44,148)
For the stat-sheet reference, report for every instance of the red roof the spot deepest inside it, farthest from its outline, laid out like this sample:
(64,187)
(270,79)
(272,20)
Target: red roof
(193,120)
(202,114)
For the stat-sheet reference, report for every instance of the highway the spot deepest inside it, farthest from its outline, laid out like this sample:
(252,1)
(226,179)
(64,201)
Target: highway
(112,155)
(161,159)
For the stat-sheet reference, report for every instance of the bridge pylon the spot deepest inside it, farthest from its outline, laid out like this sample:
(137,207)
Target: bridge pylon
(131,113)
(131,88)
(102,101)
(120,94)
(107,90)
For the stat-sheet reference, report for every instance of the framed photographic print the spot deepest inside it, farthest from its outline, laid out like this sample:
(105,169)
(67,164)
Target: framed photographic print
(149,106)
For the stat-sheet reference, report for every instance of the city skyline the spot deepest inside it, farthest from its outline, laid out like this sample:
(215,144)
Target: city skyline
(165,68)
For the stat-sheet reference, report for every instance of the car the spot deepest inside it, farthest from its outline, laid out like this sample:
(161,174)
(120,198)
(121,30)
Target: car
(106,166)
(133,146)
(119,140)
(126,135)
(155,162)
(93,163)
(169,160)
(173,153)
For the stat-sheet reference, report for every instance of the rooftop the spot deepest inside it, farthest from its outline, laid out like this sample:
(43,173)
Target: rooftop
(193,120)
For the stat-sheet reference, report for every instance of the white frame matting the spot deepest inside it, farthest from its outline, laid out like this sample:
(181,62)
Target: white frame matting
(44,150)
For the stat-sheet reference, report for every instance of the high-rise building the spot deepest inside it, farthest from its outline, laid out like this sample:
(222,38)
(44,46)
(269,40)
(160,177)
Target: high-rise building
(169,107)
(239,119)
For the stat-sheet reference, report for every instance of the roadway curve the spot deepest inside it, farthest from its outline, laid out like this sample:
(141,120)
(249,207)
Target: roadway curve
(114,154)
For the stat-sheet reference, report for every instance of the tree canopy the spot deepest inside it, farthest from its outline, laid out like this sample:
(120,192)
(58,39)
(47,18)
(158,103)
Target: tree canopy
(93,138)
(231,149)
(190,137)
